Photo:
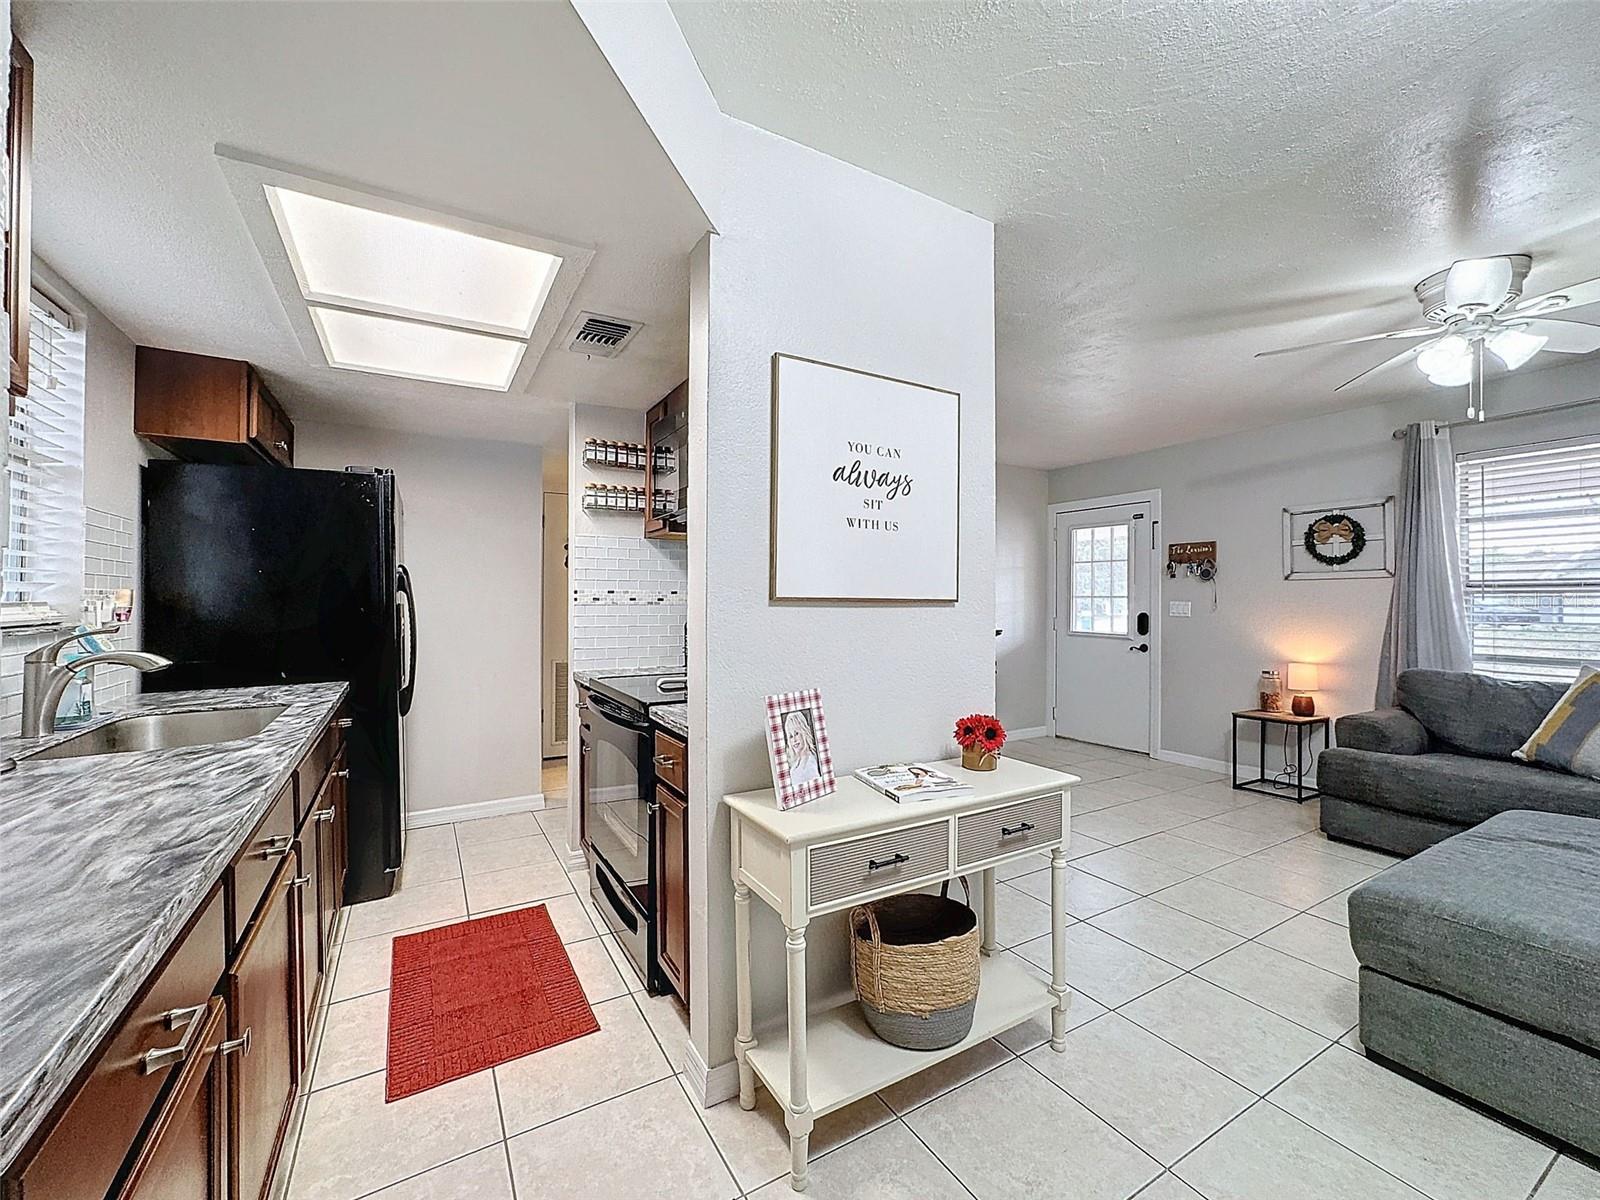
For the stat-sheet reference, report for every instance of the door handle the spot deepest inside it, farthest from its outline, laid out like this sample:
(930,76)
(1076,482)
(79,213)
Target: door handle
(1142,647)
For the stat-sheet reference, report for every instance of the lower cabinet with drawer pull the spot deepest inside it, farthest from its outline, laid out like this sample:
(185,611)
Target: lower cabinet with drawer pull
(189,1095)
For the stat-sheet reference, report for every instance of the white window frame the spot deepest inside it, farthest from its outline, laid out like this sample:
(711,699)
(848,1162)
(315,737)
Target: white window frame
(43,508)
(1566,581)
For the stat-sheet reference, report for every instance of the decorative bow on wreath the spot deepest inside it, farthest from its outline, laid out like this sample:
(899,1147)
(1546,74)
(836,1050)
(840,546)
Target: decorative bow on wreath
(1335,527)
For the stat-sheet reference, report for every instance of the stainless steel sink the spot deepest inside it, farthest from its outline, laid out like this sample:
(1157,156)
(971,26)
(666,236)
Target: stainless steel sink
(166,731)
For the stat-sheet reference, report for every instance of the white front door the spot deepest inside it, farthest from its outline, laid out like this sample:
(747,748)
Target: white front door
(1103,625)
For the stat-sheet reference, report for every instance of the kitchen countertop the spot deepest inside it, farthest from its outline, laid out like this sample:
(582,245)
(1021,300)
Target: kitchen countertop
(103,860)
(671,717)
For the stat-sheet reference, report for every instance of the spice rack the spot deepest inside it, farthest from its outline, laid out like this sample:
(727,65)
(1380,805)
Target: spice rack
(621,456)
(607,497)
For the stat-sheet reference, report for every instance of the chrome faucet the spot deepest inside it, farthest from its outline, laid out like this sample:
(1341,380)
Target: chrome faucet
(44,680)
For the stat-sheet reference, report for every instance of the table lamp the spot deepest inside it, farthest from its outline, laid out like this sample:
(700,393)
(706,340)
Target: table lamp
(1303,679)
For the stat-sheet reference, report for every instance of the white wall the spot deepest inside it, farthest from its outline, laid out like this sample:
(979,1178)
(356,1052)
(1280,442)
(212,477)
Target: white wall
(1234,489)
(472,513)
(819,259)
(1021,569)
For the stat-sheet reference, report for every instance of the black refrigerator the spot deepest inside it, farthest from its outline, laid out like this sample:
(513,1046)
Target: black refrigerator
(260,575)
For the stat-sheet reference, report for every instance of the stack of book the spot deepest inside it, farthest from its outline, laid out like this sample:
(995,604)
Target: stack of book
(907,782)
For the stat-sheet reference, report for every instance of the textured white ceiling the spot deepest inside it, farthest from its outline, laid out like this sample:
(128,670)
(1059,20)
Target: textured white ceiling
(506,113)
(1176,186)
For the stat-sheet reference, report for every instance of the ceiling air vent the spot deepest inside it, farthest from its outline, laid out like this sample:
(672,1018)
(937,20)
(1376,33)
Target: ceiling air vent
(601,337)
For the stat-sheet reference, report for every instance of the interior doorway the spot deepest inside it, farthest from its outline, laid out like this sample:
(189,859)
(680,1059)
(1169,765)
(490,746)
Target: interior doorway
(553,655)
(1105,630)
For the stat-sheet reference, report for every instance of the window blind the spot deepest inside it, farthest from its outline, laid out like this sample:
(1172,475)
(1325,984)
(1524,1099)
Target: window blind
(44,465)
(1529,522)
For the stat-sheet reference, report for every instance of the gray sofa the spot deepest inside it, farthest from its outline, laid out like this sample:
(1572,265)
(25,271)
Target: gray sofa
(1480,968)
(1404,778)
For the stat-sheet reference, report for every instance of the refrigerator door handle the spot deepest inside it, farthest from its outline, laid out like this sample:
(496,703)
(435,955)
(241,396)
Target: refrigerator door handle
(408,666)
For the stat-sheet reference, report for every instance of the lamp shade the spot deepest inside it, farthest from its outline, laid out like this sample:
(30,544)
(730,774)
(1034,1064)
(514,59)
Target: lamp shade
(1303,677)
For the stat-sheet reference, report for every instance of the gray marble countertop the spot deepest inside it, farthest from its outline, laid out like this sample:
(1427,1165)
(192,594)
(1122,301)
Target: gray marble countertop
(673,717)
(103,860)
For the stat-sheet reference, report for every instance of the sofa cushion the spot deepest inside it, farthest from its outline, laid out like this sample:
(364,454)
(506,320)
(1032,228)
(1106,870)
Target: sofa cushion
(1452,787)
(1501,916)
(1569,738)
(1385,730)
(1474,714)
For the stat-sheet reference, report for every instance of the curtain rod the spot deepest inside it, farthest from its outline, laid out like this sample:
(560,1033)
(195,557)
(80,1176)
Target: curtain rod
(1527,412)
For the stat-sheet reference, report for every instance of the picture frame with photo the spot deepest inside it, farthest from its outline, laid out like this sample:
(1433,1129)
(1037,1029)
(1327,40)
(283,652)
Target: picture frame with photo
(797,746)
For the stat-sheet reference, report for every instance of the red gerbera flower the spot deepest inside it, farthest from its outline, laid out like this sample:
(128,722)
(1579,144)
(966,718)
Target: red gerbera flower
(980,729)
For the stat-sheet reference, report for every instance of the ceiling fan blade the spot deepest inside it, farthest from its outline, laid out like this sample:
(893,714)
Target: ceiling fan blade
(1477,283)
(1564,337)
(1399,360)
(1423,331)
(1575,296)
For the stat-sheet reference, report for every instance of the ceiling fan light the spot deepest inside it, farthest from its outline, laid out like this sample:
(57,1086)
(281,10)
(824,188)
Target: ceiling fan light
(1515,346)
(1477,283)
(1448,361)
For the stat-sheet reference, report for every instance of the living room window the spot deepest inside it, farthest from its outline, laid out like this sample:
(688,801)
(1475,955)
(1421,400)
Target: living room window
(43,499)
(1529,522)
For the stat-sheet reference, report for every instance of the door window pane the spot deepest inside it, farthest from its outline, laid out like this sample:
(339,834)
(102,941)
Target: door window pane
(1100,579)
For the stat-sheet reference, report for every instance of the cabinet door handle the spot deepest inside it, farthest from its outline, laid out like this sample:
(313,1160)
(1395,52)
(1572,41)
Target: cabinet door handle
(1013,830)
(344,723)
(344,774)
(324,815)
(240,1045)
(284,446)
(300,881)
(665,760)
(178,1018)
(277,846)
(878,864)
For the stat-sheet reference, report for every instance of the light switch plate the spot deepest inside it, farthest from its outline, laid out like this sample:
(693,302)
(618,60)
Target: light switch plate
(1177,608)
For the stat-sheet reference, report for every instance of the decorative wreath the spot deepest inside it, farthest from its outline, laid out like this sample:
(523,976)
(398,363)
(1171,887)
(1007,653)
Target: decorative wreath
(1330,526)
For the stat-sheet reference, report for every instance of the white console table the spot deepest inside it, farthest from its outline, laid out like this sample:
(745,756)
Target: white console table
(858,845)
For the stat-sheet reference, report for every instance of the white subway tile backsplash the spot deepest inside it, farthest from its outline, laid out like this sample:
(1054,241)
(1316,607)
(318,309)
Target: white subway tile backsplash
(629,603)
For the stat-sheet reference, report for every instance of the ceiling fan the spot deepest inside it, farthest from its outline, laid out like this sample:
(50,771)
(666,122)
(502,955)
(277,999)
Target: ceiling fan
(1474,306)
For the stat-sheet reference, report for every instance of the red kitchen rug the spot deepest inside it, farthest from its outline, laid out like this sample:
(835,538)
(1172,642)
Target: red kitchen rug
(469,996)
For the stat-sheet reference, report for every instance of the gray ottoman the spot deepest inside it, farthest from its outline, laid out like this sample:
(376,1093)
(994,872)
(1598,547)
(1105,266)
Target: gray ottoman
(1480,968)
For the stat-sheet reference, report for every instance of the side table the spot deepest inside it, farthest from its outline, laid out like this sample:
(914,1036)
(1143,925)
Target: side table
(1304,729)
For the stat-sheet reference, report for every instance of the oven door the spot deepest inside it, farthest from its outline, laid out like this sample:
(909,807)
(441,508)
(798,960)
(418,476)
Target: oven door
(616,776)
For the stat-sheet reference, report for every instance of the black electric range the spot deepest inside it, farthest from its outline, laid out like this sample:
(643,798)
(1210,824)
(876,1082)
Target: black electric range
(618,811)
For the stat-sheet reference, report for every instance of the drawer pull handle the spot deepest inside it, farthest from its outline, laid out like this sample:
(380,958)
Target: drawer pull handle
(344,774)
(299,881)
(344,723)
(324,815)
(178,1018)
(1012,830)
(276,846)
(162,1057)
(878,864)
(239,1044)
(665,760)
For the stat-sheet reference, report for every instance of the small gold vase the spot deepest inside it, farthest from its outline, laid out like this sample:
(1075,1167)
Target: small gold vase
(976,758)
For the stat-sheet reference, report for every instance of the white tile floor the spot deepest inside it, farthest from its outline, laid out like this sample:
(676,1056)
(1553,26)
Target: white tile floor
(1211,1054)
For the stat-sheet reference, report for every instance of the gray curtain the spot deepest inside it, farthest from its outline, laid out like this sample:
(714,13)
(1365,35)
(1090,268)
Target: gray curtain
(1427,624)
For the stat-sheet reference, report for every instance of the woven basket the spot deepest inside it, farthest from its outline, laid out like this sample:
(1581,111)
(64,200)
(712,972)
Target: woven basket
(915,962)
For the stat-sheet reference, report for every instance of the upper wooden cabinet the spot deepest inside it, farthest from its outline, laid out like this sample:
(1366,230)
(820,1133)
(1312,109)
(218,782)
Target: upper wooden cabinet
(666,474)
(208,409)
(19,213)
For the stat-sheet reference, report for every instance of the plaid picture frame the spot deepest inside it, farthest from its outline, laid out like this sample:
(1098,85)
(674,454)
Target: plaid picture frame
(797,745)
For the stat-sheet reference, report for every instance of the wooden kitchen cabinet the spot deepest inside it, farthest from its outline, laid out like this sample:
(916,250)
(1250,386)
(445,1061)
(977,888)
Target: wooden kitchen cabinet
(184,1153)
(666,478)
(205,409)
(672,877)
(189,1094)
(19,216)
(262,989)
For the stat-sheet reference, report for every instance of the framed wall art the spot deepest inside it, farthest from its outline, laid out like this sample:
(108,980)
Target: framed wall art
(866,486)
(1350,540)
(797,746)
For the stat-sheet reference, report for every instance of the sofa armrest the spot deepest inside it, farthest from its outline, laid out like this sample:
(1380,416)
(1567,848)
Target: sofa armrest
(1382,731)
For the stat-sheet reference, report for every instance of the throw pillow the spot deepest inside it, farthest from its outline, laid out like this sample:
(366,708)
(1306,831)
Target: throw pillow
(1569,738)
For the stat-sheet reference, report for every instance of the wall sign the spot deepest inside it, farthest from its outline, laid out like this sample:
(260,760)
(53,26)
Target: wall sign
(866,486)
(1352,540)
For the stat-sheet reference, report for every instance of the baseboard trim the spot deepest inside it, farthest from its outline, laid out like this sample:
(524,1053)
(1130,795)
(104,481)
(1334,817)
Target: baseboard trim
(1192,760)
(472,812)
(709,1086)
(1036,731)
(572,860)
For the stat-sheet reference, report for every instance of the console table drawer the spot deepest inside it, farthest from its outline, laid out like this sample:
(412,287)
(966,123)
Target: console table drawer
(981,836)
(868,864)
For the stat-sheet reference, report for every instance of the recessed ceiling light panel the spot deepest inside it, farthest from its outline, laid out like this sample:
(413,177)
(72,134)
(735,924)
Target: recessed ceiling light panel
(412,350)
(358,257)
